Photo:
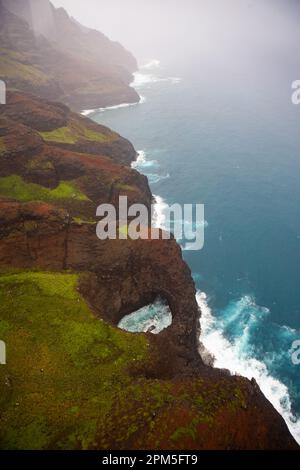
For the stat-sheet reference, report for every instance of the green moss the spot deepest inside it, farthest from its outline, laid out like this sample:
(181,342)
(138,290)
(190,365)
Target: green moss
(62,135)
(65,368)
(73,133)
(183,432)
(123,230)
(95,136)
(11,67)
(38,164)
(72,381)
(15,187)
(80,221)
(67,190)
(4,51)
(125,187)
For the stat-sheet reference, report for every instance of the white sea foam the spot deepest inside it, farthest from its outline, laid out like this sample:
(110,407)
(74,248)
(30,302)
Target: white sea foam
(232,356)
(154,318)
(159,217)
(145,166)
(161,210)
(227,355)
(145,76)
(152,64)
(154,178)
(88,112)
(144,80)
(142,163)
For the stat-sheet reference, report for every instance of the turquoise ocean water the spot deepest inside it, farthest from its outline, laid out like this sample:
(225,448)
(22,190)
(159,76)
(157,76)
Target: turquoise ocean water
(230,139)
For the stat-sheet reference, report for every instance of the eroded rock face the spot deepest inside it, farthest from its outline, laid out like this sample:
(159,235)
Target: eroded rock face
(62,128)
(55,169)
(89,156)
(119,277)
(124,275)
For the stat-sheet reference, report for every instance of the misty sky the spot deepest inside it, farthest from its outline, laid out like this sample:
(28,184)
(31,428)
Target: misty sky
(176,28)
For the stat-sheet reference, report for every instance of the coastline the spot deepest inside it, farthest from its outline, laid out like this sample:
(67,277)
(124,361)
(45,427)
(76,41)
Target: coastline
(114,279)
(90,112)
(64,292)
(214,348)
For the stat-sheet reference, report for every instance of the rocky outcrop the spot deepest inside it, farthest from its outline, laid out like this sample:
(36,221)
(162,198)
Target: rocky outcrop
(69,36)
(124,275)
(87,156)
(210,409)
(51,56)
(56,167)
(60,127)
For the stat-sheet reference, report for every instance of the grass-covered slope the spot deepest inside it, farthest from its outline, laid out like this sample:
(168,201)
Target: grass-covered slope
(14,187)
(64,367)
(58,126)
(73,381)
(51,154)
(72,134)
(13,68)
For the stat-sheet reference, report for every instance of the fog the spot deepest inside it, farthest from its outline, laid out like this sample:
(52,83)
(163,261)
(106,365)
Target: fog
(178,30)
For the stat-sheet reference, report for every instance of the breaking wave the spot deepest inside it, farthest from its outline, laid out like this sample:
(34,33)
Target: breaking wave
(188,228)
(153,318)
(159,217)
(145,166)
(142,80)
(235,339)
(145,76)
(89,112)
(141,163)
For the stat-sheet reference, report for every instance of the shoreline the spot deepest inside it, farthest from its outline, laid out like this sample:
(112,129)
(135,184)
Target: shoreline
(273,389)
(89,112)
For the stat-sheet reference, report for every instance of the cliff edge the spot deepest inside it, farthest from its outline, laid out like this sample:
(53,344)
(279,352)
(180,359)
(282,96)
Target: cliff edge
(73,380)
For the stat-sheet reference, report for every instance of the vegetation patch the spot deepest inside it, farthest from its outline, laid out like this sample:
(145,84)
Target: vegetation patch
(74,382)
(64,366)
(15,187)
(12,68)
(81,221)
(74,133)
(125,187)
(41,165)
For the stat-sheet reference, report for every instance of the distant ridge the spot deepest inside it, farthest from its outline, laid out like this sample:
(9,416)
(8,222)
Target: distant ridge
(46,52)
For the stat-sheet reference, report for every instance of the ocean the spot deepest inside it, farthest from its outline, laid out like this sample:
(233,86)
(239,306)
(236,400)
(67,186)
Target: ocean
(229,139)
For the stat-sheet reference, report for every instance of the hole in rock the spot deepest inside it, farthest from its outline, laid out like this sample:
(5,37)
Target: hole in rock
(152,318)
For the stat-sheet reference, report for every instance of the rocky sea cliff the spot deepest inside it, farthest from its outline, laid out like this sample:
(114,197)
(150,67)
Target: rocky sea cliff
(73,380)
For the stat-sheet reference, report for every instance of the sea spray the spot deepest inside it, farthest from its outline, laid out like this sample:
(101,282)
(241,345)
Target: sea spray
(141,163)
(234,356)
(147,167)
(234,352)
(153,318)
(145,77)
